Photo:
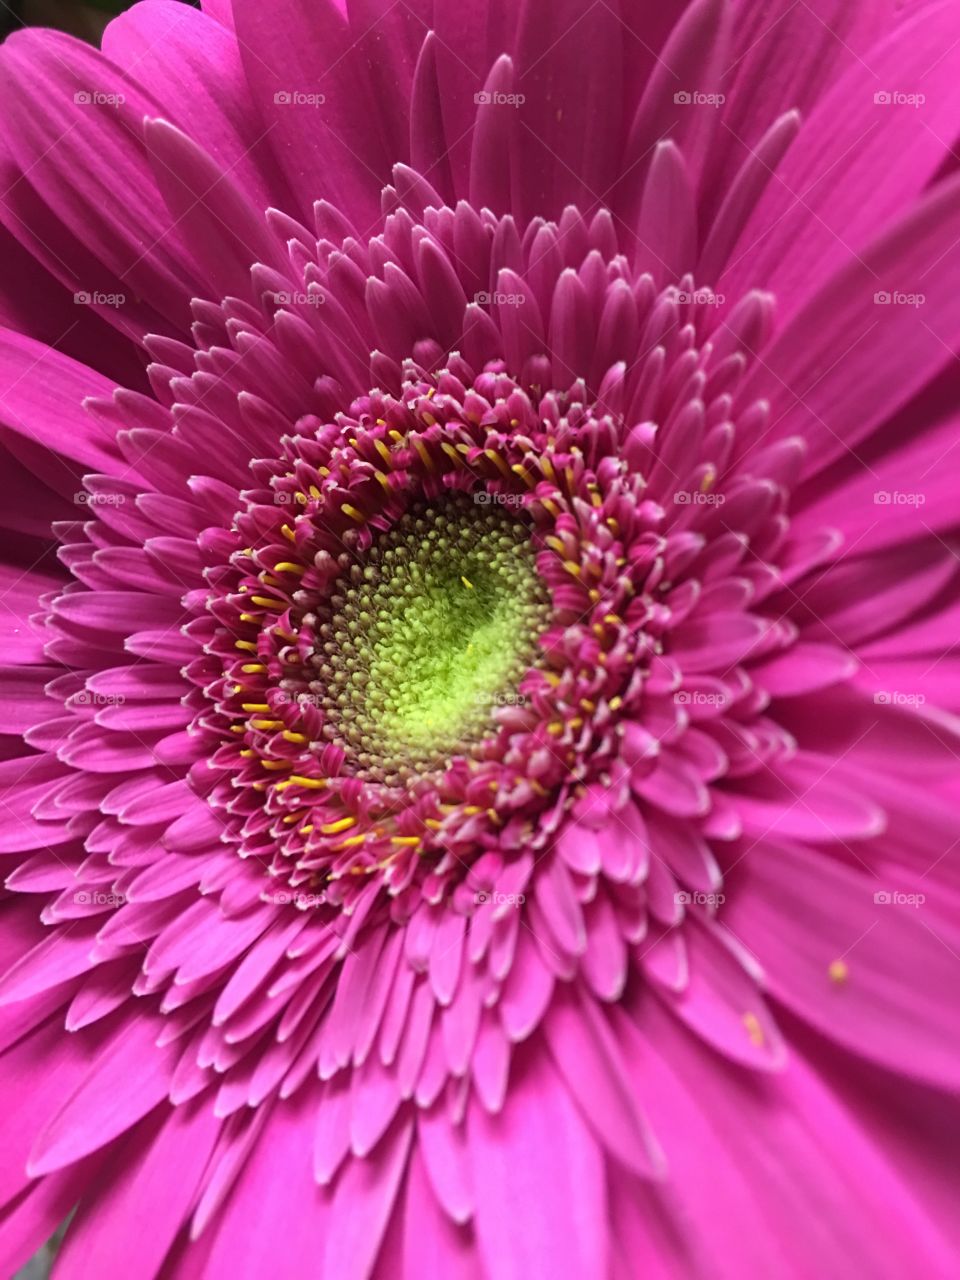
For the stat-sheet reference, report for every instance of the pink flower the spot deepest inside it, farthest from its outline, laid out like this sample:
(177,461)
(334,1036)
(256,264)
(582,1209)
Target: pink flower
(480,781)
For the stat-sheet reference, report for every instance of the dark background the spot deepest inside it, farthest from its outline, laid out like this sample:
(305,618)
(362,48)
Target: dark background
(83,18)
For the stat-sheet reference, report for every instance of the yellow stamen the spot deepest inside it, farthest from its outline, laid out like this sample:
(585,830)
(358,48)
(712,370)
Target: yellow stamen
(299,780)
(341,824)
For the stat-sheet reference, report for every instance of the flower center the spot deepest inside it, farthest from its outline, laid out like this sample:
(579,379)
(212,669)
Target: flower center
(428,635)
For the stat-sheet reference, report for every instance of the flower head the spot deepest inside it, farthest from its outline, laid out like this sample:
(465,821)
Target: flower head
(482,774)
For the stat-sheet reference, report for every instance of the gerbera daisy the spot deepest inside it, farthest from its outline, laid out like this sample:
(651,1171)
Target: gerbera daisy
(479,774)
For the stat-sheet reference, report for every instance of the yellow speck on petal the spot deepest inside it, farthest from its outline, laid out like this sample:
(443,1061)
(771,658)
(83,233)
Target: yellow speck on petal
(838,971)
(754,1029)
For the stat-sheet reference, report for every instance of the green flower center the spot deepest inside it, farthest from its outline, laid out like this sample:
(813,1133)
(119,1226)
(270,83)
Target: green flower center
(429,635)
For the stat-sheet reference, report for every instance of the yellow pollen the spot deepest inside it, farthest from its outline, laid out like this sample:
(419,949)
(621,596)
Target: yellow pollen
(754,1029)
(838,971)
(466,582)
